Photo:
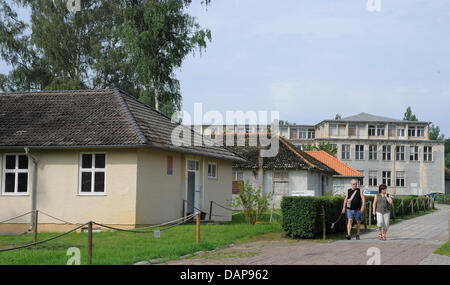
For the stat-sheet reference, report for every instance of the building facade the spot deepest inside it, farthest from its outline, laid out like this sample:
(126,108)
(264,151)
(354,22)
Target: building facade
(387,151)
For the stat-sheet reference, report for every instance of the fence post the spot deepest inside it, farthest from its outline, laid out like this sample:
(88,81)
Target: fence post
(210,210)
(370,213)
(90,243)
(412,207)
(324,228)
(184,210)
(198,228)
(418,205)
(35,228)
(403,208)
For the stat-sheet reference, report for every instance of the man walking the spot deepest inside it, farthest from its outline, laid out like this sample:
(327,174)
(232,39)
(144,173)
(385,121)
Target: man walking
(354,203)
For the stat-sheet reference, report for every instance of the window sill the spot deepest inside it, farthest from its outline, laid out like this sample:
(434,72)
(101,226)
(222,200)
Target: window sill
(92,194)
(213,178)
(15,194)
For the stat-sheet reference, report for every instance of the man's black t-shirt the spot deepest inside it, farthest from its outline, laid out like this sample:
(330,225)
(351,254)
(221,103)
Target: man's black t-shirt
(357,201)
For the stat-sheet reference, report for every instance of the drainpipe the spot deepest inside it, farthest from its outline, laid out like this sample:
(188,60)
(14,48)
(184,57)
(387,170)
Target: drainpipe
(261,171)
(33,187)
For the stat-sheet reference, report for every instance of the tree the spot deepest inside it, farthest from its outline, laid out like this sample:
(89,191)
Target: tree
(338,117)
(252,202)
(134,45)
(434,133)
(327,147)
(447,153)
(409,116)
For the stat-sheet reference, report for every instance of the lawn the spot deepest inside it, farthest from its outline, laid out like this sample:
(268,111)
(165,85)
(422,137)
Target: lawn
(444,250)
(128,248)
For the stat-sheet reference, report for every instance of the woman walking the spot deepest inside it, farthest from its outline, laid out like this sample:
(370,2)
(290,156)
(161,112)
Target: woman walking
(381,209)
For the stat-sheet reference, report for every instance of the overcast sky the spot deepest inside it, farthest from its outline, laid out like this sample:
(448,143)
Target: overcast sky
(311,59)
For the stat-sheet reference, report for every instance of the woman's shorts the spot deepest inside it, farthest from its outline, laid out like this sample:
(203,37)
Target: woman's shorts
(383,220)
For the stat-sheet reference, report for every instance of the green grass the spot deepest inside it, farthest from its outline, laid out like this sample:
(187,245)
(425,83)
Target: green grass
(128,248)
(444,250)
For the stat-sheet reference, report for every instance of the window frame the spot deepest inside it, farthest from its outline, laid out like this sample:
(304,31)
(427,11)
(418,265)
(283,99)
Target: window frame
(386,152)
(373,151)
(400,153)
(16,172)
(415,153)
(216,172)
(428,155)
(93,170)
(372,178)
(348,157)
(397,179)
(359,152)
(386,178)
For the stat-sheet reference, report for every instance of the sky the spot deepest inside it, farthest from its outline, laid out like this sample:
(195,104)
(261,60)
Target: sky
(312,59)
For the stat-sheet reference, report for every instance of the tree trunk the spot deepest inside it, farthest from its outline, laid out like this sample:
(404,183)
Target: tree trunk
(156,99)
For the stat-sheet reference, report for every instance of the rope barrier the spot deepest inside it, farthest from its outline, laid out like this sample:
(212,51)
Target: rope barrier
(42,241)
(2,222)
(195,208)
(222,206)
(58,219)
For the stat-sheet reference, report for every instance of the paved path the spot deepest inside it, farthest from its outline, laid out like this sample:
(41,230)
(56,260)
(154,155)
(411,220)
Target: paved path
(409,242)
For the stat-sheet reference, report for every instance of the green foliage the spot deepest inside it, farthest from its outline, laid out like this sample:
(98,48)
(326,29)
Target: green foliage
(434,133)
(327,147)
(132,45)
(302,215)
(409,116)
(447,153)
(252,202)
(443,199)
(338,117)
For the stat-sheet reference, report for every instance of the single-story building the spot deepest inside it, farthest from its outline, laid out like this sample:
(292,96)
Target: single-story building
(102,155)
(290,172)
(447,181)
(343,180)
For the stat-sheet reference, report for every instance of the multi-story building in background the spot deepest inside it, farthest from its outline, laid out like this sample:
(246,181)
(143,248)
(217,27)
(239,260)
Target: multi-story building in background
(387,151)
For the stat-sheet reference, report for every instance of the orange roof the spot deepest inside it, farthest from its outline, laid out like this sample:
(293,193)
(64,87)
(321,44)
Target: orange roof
(332,162)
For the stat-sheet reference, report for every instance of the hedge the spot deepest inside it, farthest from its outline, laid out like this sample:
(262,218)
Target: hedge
(302,215)
(443,199)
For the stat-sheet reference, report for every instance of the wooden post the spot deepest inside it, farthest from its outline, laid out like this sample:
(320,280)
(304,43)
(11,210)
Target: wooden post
(370,213)
(324,228)
(184,210)
(210,210)
(198,228)
(403,208)
(90,243)
(35,228)
(418,205)
(412,207)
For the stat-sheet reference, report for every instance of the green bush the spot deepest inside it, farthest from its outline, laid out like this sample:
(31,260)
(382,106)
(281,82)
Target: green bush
(443,199)
(302,215)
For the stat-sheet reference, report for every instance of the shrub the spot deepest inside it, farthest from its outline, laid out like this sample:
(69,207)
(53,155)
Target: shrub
(252,202)
(443,199)
(302,215)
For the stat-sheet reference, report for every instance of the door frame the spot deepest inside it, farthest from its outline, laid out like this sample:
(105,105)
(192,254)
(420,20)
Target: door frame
(196,185)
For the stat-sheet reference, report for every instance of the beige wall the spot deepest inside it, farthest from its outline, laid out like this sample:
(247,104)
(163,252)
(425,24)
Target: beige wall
(218,190)
(57,189)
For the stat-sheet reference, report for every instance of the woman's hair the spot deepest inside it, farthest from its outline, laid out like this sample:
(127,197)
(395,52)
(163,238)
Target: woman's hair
(382,186)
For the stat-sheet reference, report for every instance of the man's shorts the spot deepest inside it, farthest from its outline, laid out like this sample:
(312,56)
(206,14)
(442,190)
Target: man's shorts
(355,215)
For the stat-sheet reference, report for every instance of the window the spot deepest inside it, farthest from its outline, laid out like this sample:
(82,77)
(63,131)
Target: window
(280,176)
(302,133)
(92,173)
(400,179)
(400,152)
(373,178)
(15,174)
(238,176)
(338,130)
(400,132)
(359,152)
(427,153)
(333,130)
(342,130)
(311,133)
(284,132)
(380,131)
(345,151)
(392,131)
(169,165)
(372,130)
(421,131)
(212,170)
(375,130)
(294,133)
(362,130)
(238,181)
(193,165)
(411,131)
(386,152)
(361,179)
(387,178)
(352,130)
(373,152)
(414,153)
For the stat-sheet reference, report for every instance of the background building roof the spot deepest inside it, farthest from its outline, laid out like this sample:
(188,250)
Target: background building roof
(340,167)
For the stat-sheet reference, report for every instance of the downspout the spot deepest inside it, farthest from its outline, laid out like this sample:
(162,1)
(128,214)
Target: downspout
(261,171)
(33,187)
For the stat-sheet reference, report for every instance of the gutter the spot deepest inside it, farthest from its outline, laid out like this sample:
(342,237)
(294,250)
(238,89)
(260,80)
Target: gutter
(33,187)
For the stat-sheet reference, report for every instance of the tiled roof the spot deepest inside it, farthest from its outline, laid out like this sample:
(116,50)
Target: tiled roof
(340,167)
(288,157)
(88,118)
